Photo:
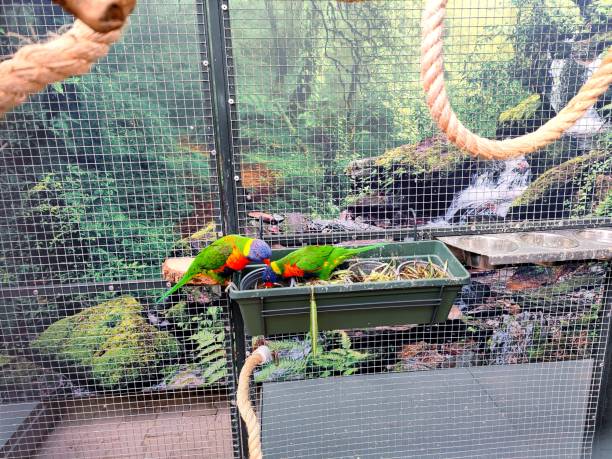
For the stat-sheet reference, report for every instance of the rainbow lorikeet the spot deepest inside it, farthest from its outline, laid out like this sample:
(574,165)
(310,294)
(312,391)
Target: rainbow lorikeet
(223,257)
(311,261)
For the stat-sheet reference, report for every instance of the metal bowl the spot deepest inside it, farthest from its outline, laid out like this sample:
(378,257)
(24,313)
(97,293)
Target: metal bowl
(366,267)
(487,244)
(600,236)
(548,240)
(401,267)
(249,282)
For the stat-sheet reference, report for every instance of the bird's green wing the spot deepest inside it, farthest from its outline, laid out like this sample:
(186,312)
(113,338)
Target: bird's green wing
(338,256)
(311,258)
(214,256)
(210,258)
(344,253)
(341,254)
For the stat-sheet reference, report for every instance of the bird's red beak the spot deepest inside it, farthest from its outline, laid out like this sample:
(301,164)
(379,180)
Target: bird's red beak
(266,261)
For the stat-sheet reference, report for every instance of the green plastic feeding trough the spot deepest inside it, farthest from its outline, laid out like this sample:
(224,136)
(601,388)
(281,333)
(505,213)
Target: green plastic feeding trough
(357,305)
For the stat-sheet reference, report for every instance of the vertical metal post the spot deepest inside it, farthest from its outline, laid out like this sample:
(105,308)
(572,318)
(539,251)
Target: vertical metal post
(218,43)
(219,50)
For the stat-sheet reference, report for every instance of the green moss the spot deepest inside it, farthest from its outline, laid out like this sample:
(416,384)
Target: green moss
(178,313)
(604,208)
(429,156)
(208,233)
(5,360)
(112,340)
(559,176)
(203,235)
(53,339)
(525,110)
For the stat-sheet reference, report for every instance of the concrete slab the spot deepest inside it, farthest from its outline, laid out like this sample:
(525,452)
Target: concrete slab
(197,431)
(516,411)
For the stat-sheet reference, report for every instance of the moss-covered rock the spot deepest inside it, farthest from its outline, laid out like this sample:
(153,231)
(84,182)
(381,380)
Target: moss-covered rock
(526,116)
(559,175)
(565,190)
(196,375)
(602,196)
(433,155)
(525,110)
(112,341)
(553,155)
(407,177)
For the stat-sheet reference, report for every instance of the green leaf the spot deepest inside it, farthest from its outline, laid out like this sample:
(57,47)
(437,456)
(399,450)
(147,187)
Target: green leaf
(345,340)
(217,376)
(218,354)
(58,87)
(204,339)
(214,368)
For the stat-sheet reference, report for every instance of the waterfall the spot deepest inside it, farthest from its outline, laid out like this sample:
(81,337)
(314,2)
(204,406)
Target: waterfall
(589,124)
(491,192)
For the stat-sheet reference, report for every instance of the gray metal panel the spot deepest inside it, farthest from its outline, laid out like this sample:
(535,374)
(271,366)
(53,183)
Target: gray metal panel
(449,413)
(12,416)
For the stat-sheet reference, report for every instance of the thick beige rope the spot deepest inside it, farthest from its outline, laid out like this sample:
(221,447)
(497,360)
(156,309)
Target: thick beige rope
(35,66)
(101,15)
(432,76)
(260,356)
(73,53)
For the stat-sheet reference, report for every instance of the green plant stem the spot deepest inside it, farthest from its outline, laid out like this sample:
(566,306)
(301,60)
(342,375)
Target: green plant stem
(314,326)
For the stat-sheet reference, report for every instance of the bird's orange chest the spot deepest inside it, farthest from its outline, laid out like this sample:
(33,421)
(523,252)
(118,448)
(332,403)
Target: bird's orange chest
(290,270)
(236,261)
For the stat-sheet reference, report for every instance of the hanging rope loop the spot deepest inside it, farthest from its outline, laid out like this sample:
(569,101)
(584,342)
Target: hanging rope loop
(260,356)
(432,77)
(73,53)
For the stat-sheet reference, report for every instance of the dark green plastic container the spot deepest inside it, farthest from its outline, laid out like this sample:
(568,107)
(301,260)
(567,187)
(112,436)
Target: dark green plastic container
(363,305)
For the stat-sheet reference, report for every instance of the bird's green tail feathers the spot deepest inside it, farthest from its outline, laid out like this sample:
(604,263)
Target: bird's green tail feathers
(367,248)
(186,278)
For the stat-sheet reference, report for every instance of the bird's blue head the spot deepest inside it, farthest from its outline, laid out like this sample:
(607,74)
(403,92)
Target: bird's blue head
(259,252)
(269,277)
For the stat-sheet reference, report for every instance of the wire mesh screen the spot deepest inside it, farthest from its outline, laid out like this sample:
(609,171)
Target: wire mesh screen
(104,176)
(107,174)
(514,372)
(331,132)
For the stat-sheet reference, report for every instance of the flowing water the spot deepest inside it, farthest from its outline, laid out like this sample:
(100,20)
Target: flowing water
(490,193)
(589,124)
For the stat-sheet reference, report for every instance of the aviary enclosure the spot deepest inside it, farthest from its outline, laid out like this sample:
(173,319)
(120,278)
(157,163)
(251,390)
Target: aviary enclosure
(302,122)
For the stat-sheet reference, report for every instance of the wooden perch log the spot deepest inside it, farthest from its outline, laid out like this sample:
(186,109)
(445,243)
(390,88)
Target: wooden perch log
(173,269)
(101,15)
